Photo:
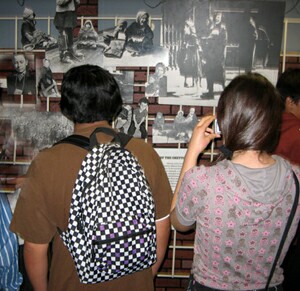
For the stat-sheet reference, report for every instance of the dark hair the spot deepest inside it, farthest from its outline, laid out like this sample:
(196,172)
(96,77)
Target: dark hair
(144,100)
(288,85)
(88,94)
(18,54)
(160,65)
(249,114)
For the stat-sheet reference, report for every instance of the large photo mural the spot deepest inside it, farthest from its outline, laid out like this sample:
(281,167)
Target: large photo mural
(190,54)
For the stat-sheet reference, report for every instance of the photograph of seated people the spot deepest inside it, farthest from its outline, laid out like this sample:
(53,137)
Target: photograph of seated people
(137,127)
(22,80)
(31,37)
(240,205)
(90,97)
(139,35)
(87,36)
(178,131)
(159,121)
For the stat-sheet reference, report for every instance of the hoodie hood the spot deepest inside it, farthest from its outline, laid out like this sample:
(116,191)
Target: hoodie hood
(267,185)
(261,190)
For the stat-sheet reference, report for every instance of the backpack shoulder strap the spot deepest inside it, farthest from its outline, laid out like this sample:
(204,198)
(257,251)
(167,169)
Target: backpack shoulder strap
(78,140)
(124,138)
(118,137)
(87,143)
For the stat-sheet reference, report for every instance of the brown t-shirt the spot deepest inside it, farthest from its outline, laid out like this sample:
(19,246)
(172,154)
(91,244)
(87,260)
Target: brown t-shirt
(44,203)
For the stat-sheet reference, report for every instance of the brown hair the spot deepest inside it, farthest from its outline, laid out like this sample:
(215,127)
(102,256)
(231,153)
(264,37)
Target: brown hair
(249,114)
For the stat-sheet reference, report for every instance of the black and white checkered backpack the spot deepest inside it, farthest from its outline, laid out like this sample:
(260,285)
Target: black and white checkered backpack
(111,229)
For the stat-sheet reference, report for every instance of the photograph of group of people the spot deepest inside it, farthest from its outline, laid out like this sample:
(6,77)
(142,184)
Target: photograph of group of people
(32,128)
(213,41)
(178,130)
(201,50)
(128,42)
(133,121)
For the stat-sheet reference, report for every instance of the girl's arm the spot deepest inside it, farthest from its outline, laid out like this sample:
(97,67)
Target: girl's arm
(202,136)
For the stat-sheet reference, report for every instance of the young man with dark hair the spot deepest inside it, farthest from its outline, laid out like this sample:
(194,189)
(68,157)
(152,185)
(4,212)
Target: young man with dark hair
(90,97)
(288,86)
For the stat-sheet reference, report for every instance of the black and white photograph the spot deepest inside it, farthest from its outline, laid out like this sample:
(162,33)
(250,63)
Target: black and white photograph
(65,20)
(157,83)
(210,42)
(31,36)
(138,126)
(124,119)
(133,121)
(62,48)
(40,129)
(178,130)
(47,85)
(73,48)
(128,43)
(131,43)
(22,78)
(125,80)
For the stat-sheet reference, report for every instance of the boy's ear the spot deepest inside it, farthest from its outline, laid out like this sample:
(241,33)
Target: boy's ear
(289,104)
(289,101)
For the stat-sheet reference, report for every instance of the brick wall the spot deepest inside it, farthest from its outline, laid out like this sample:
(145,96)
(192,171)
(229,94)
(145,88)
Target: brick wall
(178,267)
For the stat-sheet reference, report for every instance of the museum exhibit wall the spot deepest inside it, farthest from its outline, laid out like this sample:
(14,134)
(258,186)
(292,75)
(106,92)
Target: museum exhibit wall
(30,122)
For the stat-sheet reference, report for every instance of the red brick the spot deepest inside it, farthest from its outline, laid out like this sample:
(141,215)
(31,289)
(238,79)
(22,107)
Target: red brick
(168,263)
(137,97)
(186,264)
(292,66)
(291,60)
(10,169)
(87,10)
(184,253)
(165,109)
(160,282)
